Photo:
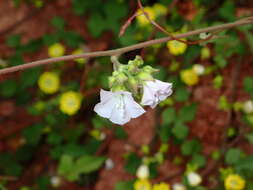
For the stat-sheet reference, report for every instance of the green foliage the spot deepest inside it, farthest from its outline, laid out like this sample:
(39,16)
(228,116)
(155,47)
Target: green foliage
(124,185)
(72,169)
(133,162)
(248,85)
(233,156)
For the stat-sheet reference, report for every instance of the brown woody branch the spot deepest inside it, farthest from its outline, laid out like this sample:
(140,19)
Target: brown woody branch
(119,51)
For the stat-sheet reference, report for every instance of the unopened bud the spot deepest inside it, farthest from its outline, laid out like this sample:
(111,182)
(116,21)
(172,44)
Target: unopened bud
(133,83)
(121,77)
(149,69)
(144,76)
(111,81)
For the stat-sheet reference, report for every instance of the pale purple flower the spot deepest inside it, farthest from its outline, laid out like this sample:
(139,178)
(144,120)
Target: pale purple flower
(155,92)
(119,107)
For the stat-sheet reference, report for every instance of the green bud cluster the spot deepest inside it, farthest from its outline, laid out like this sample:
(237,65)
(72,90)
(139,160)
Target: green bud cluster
(130,77)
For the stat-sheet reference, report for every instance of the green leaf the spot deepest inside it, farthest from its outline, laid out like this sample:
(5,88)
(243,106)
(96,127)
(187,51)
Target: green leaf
(8,88)
(198,160)
(248,85)
(164,133)
(168,116)
(233,155)
(88,163)
(250,137)
(245,164)
(180,131)
(187,113)
(181,94)
(58,22)
(30,77)
(190,147)
(66,164)
(227,11)
(120,133)
(13,41)
(124,185)
(96,24)
(33,134)
(133,163)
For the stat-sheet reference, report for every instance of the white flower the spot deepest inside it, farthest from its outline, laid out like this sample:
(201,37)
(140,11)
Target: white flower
(109,164)
(154,92)
(119,107)
(199,69)
(194,179)
(178,186)
(142,172)
(248,107)
(55,181)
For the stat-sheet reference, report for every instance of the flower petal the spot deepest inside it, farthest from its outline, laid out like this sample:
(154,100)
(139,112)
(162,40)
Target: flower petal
(104,109)
(105,95)
(133,108)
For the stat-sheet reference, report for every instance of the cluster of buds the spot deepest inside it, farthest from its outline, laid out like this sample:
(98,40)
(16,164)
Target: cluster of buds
(127,83)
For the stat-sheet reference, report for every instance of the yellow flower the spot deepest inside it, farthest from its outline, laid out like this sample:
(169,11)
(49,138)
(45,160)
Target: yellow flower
(70,102)
(142,184)
(176,48)
(56,50)
(159,9)
(49,82)
(234,182)
(79,60)
(189,77)
(161,186)
(141,19)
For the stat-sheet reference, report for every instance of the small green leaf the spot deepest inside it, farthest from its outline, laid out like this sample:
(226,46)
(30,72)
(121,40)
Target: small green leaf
(13,41)
(190,147)
(233,155)
(88,163)
(248,85)
(8,88)
(133,163)
(198,160)
(187,113)
(250,138)
(124,185)
(58,22)
(169,116)
(182,94)
(66,164)
(180,131)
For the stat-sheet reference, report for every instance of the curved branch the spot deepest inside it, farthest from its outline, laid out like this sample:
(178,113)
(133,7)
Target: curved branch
(119,51)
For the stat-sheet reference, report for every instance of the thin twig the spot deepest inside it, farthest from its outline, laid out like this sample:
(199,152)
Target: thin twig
(120,51)
(159,27)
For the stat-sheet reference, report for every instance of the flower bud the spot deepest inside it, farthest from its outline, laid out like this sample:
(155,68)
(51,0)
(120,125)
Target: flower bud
(149,69)
(142,172)
(121,77)
(116,88)
(144,76)
(194,179)
(248,107)
(133,84)
(111,81)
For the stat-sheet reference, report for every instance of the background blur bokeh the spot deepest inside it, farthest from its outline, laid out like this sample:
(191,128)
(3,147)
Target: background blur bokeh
(50,137)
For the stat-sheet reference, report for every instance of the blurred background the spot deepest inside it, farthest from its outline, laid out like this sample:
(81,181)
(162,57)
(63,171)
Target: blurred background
(50,137)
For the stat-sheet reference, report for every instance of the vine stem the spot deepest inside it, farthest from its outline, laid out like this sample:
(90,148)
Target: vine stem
(119,51)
